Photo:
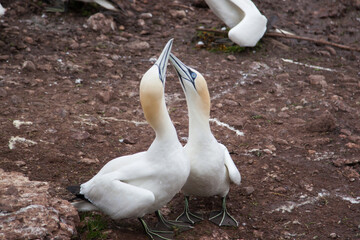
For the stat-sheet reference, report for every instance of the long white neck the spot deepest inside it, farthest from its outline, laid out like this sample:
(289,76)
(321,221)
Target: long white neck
(163,126)
(199,127)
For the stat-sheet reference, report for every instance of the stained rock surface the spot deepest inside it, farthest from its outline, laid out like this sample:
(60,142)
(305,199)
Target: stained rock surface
(27,211)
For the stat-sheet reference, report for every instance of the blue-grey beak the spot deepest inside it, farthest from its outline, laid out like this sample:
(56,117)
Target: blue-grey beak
(184,72)
(162,61)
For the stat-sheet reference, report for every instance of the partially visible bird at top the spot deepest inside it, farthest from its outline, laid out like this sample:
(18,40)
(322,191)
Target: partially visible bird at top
(2,10)
(113,5)
(247,25)
(211,166)
(134,185)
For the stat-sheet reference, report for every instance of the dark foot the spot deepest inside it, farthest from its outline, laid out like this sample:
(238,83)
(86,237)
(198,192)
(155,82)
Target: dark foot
(189,217)
(157,234)
(170,225)
(223,218)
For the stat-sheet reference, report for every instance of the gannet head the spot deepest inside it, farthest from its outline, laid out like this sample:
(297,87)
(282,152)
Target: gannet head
(152,88)
(194,86)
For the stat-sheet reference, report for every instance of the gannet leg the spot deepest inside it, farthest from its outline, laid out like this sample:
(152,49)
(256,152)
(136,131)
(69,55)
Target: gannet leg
(223,218)
(156,235)
(187,216)
(170,225)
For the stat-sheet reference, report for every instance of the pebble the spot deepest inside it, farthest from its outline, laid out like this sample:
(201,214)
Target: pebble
(280,190)
(3,92)
(98,22)
(249,190)
(231,58)
(258,234)
(141,22)
(333,235)
(88,160)
(283,115)
(82,135)
(29,66)
(105,96)
(146,15)
(45,67)
(283,77)
(178,13)
(138,45)
(29,40)
(20,163)
(318,80)
(352,145)
(4,57)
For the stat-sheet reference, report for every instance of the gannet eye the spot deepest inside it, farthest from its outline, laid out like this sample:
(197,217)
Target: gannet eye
(193,75)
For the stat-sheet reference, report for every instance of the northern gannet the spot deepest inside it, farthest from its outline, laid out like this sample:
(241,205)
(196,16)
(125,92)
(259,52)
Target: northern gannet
(247,24)
(212,168)
(134,185)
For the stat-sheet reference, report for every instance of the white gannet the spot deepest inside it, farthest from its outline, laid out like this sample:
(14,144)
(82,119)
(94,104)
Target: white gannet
(247,24)
(212,168)
(134,185)
(2,10)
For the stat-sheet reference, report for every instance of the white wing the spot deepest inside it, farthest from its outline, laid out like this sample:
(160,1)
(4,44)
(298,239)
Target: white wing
(234,173)
(112,191)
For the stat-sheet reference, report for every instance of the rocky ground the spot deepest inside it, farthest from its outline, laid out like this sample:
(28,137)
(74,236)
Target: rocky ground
(70,103)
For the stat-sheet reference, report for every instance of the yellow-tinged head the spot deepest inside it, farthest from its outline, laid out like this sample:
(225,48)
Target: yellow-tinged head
(194,86)
(152,89)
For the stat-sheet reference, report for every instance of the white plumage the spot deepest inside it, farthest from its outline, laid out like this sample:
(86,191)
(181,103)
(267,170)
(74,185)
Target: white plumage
(134,185)
(212,168)
(247,24)
(2,10)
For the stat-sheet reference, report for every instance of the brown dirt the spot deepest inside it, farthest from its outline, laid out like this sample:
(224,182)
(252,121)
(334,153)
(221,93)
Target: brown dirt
(299,158)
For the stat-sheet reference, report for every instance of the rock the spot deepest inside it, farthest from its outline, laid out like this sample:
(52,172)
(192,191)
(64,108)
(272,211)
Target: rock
(107,62)
(333,235)
(81,135)
(231,102)
(258,234)
(105,96)
(45,67)
(4,57)
(318,80)
(345,131)
(3,92)
(29,66)
(249,190)
(231,58)
(141,22)
(98,22)
(29,40)
(29,212)
(89,160)
(280,190)
(323,123)
(178,13)
(16,100)
(138,45)
(352,145)
(283,77)
(146,15)
(283,115)
(20,163)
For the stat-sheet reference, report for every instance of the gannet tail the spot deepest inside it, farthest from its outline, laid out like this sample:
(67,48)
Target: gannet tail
(79,201)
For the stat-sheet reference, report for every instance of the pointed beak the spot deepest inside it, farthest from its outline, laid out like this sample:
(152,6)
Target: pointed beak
(183,71)
(162,61)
